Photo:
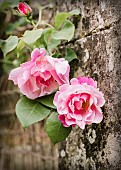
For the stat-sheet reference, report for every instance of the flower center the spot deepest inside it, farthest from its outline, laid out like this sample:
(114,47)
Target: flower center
(85,105)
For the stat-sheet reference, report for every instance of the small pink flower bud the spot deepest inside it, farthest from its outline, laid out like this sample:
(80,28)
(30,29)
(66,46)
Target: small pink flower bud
(24,8)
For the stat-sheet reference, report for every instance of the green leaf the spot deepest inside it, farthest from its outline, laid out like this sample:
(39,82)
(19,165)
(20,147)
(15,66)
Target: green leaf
(56,55)
(75,12)
(40,43)
(7,67)
(10,27)
(9,44)
(30,37)
(56,131)
(51,43)
(1,43)
(20,45)
(30,111)
(8,3)
(66,32)
(61,17)
(70,55)
(47,101)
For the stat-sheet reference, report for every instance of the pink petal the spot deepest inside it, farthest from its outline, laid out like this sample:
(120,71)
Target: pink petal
(76,116)
(62,119)
(64,78)
(61,67)
(55,100)
(35,54)
(56,77)
(51,87)
(87,80)
(14,75)
(22,8)
(64,87)
(27,89)
(80,123)
(74,81)
(42,51)
(69,121)
(90,116)
(98,116)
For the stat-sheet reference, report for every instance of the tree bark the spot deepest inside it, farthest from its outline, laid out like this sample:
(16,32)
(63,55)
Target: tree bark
(97,43)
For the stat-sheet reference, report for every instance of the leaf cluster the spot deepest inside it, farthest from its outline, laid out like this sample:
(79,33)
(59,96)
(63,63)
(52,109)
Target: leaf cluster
(31,111)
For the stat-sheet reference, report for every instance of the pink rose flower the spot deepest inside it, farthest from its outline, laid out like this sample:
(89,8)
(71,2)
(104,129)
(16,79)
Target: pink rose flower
(41,75)
(24,8)
(79,102)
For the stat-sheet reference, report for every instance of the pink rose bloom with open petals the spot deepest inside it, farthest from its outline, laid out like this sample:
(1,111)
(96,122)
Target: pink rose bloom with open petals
(79,102)
(41,75)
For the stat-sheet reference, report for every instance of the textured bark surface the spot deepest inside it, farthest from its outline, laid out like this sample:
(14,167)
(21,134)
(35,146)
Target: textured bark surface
(97,43)
(22,150)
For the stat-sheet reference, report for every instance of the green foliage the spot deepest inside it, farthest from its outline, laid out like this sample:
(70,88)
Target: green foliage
(1,42)
(70,55)
(66,32)
(40,43)
(56,131)
(75,12)
(11,27)
(8,3)
(7,67)
(61,17)
(30,111)
(51,43)
(56,55)
(30,37)
(47,101)
(20,45)
(9,44)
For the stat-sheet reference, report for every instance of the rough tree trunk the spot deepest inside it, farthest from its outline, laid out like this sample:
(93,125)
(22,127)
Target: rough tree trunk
(97,43)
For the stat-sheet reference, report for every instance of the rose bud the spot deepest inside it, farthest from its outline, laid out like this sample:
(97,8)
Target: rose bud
(24,9)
